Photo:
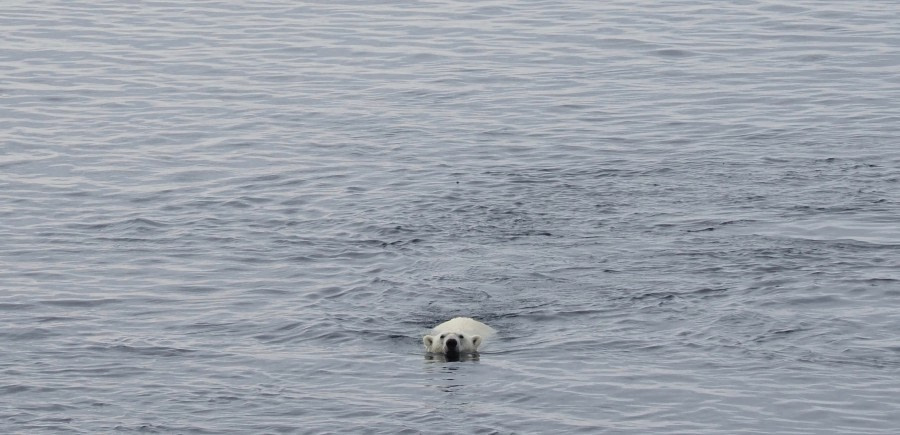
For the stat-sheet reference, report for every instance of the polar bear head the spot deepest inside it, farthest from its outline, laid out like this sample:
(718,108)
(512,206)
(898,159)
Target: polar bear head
(452,343)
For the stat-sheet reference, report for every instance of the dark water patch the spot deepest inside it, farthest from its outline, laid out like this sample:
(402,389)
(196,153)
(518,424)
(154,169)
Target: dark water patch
(309,334)
(150,351)
(13,389)
(98,371)
(28,334)
(817,300)
(138,224)
(59,319)
(6,306)
(162,428)
(673,53)
(81,303)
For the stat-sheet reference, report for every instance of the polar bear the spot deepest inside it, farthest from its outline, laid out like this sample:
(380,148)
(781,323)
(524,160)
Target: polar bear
(460,335)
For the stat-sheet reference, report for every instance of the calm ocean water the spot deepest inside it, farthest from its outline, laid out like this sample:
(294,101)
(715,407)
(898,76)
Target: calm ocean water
(241,217)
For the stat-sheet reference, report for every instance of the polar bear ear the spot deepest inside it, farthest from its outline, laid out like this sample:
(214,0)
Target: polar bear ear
(428,340)
(476,341)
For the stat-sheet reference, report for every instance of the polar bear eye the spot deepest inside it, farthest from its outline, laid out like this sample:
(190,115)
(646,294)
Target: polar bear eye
(443,335)
(460,336)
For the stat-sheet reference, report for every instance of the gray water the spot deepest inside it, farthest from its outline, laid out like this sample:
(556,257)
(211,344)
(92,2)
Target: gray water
(241,217)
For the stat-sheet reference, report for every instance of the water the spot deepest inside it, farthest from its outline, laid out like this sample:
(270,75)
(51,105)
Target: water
(232,217)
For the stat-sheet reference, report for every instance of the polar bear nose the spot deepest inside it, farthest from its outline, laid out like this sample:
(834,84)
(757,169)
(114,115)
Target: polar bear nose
(451,343)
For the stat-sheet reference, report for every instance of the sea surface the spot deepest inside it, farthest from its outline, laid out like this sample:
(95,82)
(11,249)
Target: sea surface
(235,217)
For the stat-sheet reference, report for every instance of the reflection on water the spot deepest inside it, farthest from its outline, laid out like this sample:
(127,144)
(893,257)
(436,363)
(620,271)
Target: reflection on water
(451,357)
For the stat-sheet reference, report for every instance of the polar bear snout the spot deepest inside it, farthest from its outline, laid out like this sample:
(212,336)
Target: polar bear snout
(453,343)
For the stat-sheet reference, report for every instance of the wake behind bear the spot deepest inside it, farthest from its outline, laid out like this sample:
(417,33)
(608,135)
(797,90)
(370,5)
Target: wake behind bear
(460,336)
